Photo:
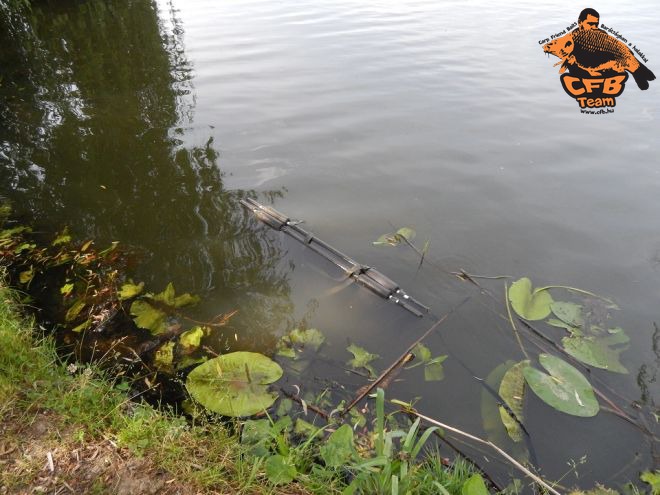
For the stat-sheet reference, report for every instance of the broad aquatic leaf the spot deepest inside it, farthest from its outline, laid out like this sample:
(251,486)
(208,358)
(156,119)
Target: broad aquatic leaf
(422,352)
(475,485)
(595,352)
(564,388)
(235,384)
(338,448)
(280,470)
(490,414)
(305,428)
(288,352)
(311,337)
(361,358)
(598,490)
(168,297)
(560,324)
(74,310)
(652,479)
(568,312)
(130,290)
(62,238)
(407,232)
(191,339)
(433,369)
(164,355)
(527,304)
(148,317)
(512,391)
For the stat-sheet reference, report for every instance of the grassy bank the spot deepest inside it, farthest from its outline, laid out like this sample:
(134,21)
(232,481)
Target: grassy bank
(68,428)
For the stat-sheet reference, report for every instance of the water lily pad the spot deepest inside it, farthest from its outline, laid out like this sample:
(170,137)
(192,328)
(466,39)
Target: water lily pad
(235,384)
(406,232)
(311,337)
(422,352)
(148,317)
(433,369)
(164,355)
(512,391)
(568,312)
(130,290)
(169,297)
(595,352)
(560,324)
(361,358)
(527,304)
(191,339)
(564,388)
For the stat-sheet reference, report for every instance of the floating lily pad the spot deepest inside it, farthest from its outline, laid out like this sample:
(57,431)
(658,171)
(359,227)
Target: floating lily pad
(595,352)
(527,304)
(310,337)
(164,355)
(148,317)
(191,339)
(512,391)
(130,290)
(568,312)
(235,384)
(564,388)
(434,371)
(361,358)
(169,297)
(560,324)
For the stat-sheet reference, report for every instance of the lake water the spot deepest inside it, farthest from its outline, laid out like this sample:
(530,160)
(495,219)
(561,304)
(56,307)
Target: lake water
(146,123)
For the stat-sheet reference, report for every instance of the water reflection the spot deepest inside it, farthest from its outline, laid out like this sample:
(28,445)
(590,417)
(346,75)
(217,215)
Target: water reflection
(95,97)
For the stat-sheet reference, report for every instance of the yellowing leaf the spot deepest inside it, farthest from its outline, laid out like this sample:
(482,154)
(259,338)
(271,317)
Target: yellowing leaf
(74,310)
(512,391)
(26,276)
(164,355)
(130,290)
(148,317)
(191,339)
(66,289)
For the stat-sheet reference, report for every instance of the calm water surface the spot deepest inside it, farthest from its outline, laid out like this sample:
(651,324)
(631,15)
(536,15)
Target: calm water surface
(146,123)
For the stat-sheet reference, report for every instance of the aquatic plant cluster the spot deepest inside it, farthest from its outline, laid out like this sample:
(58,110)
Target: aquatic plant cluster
(101,311)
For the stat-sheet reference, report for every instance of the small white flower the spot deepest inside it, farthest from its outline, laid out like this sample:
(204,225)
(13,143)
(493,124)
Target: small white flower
(72,368)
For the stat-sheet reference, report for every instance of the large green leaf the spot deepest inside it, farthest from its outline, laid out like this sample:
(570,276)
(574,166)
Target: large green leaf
(512,391)
(310,337)
(361,358)
(338,448)
(434,371)
(280,470)
(235,384)
(169,297)
(568,312)
(148,317)
(129,290)
(527,304)
(564,388)
(595,352)
(475,485)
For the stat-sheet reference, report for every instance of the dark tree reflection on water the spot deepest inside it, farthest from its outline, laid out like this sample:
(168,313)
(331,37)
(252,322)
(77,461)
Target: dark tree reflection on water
(94,101)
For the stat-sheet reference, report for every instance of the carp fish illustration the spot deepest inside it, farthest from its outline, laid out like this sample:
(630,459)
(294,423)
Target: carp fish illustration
(595,53)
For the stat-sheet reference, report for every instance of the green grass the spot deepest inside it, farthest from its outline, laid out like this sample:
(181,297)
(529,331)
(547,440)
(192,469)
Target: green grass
(83,409)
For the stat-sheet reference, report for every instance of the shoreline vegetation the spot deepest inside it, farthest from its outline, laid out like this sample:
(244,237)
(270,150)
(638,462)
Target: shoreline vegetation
(72,427)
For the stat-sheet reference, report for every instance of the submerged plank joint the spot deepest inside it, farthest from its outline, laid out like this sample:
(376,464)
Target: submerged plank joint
(364,275)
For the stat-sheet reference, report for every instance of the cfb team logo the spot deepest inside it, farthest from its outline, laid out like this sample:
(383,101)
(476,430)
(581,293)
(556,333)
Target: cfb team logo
(594,64)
